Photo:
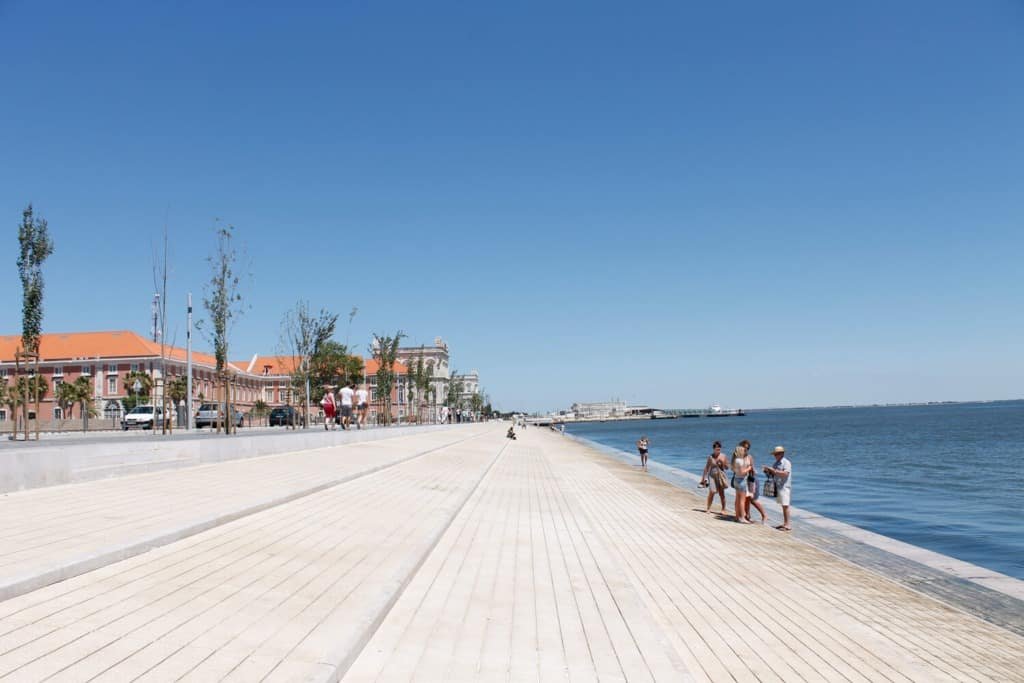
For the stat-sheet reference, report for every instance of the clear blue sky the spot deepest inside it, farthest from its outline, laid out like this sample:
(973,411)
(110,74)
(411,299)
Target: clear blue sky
(760,204)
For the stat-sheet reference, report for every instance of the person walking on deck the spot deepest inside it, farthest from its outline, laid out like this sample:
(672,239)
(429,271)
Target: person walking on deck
(740,470)
(362,405)
(346,394)
(329,406)
(783,473)
(714,475)
(643,445)
(753,487)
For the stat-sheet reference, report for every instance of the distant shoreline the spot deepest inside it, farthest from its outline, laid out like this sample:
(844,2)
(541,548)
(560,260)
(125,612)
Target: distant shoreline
(890,405)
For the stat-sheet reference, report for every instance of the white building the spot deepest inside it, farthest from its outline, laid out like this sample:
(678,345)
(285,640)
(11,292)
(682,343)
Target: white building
(470,385)
(437,362)
(603,410)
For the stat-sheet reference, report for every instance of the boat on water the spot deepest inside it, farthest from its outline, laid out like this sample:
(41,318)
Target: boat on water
(663,415)
(716,410)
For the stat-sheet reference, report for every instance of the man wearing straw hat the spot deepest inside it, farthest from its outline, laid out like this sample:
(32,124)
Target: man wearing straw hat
(783,473)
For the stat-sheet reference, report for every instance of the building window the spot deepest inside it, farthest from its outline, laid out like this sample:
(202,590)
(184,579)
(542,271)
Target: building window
(111,369)
(112,385)
(58,414)
(58,371)
(3,415)
(135,367)
(57,381)
(3,373)
(86,370)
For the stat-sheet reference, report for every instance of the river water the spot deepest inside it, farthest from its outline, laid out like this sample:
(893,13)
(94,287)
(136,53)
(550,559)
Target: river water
(947,477)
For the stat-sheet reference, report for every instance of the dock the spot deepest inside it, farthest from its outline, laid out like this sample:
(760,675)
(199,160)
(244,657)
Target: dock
(453,555)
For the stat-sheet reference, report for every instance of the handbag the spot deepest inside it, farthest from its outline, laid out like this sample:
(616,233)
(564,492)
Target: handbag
(720,480)
(769,487)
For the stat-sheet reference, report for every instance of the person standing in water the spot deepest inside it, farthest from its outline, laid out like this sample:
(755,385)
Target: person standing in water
(643,445)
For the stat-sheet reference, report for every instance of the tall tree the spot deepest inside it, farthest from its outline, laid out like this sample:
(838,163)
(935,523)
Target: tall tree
(176,391)
(223,302)
(35,247)
(455,388)
(385,351)
(303,334)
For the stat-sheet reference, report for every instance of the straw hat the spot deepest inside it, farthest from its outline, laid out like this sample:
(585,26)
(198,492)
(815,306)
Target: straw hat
(778,449)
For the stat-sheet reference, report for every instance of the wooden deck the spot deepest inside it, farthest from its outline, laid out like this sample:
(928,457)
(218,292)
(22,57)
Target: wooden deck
(457,556)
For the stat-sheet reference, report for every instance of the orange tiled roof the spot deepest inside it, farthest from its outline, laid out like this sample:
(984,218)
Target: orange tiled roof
(89,345)
(372,366)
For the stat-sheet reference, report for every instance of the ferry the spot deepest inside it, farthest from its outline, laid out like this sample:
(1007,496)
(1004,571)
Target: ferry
(715,410)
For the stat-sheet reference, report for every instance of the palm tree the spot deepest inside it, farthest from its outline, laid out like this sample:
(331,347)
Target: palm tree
(66,395)
(260,409)
(83,396)
(134,398)
(177,391)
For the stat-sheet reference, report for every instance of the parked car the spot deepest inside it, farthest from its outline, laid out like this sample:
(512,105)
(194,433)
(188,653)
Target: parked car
(141,417)
(285,415)
(207,415)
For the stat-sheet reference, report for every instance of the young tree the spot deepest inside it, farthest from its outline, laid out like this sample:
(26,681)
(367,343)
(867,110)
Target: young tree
(35,247)
(455,388)
(260,409)
(385,351)
(302,336)
(223,302)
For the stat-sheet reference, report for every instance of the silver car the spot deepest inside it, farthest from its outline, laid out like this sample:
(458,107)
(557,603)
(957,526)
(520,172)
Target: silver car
(208,412)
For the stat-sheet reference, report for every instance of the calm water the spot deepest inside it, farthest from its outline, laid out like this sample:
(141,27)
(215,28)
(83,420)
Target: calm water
(949,478)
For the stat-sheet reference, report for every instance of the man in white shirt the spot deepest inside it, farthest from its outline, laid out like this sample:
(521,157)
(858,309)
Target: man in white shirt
(346,394)
(783,473)
(363,405)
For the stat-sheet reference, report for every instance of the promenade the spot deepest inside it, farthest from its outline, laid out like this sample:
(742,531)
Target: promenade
(448,555)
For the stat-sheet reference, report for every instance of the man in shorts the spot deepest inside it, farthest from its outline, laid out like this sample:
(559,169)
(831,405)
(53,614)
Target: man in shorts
(346,395)
(783,473)
(363,404)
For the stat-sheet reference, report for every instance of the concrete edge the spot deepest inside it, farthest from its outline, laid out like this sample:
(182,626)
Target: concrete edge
(345,654)
(81,565)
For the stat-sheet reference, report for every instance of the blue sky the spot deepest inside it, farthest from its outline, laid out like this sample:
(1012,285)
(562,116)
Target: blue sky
(760,204)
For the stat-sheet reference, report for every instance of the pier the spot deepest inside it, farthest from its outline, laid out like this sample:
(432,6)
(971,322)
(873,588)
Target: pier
(456,554)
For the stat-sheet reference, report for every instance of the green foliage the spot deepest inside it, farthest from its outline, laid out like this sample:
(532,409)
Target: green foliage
(177,389)
(455,389)
(27,385)
(35,246)
(141,398)
(332,364)
(80,392)
(222,300)
(303,334)
(260,408)
(385,351)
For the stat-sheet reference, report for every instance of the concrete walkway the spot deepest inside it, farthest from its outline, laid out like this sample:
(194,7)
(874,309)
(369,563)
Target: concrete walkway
(482,559)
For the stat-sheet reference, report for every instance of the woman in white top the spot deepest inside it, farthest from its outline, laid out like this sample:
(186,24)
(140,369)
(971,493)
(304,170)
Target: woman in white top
(740,470)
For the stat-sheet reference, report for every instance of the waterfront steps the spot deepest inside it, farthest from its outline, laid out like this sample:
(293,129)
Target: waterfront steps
(479,558)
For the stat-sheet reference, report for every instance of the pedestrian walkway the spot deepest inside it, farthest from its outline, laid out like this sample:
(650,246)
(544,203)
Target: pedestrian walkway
(488,559)
(54,533)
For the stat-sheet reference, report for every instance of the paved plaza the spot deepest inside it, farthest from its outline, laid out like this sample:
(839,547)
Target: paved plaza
(449,555)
